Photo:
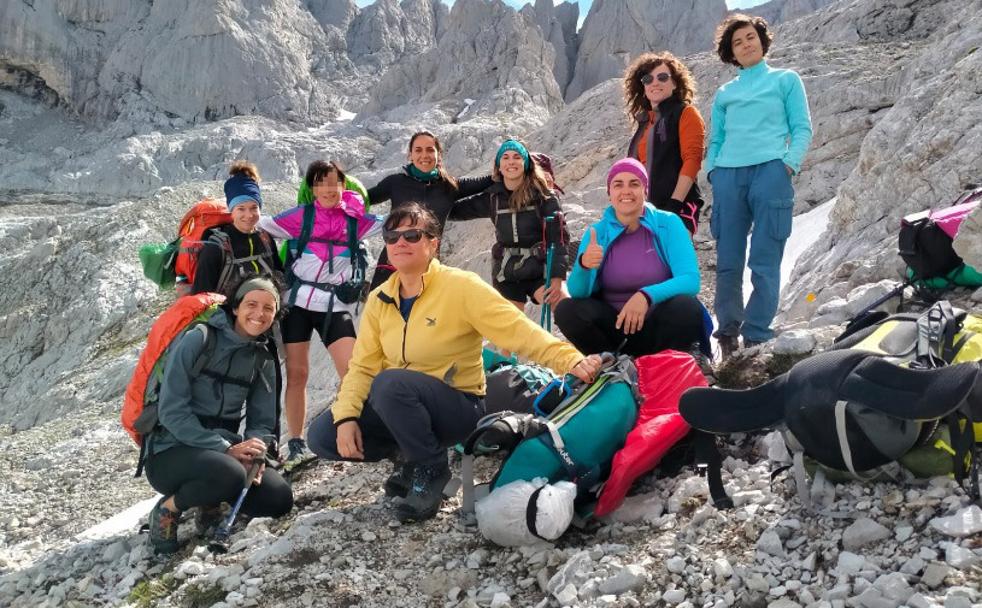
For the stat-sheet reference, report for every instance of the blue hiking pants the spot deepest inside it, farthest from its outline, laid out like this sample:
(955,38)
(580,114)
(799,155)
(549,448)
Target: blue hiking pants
(759,196)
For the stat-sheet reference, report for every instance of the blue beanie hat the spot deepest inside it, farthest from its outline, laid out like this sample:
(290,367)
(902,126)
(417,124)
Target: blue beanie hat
(514,146)
(241,188)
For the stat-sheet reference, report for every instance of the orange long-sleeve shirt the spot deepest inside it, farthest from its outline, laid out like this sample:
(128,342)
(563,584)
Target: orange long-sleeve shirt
(692,135)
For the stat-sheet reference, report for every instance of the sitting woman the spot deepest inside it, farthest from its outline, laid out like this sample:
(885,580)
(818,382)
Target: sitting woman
(527,221)
(415,384)
(635,279)
(324,280)
(196,458)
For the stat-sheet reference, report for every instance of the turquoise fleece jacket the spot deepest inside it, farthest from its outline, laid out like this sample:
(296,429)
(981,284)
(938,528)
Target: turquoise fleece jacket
(672,242)
(759,116)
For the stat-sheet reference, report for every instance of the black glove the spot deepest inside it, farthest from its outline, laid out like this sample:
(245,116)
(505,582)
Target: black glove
(688,211)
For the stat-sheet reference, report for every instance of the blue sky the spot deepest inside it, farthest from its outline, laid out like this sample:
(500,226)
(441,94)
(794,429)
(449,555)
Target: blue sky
(585,4)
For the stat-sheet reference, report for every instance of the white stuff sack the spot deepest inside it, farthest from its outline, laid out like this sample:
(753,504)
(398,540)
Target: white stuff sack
(502,519)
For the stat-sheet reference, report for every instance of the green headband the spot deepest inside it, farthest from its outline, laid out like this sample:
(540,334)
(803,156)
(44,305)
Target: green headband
(514,146)
(257,283)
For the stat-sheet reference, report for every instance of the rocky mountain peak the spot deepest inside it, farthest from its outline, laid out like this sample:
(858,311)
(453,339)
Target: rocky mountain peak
(615,31)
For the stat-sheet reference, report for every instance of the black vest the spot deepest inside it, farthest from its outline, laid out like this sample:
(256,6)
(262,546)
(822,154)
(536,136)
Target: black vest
(664,152)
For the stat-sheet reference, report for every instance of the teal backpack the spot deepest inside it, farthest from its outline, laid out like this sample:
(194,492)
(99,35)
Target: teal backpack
(574,442)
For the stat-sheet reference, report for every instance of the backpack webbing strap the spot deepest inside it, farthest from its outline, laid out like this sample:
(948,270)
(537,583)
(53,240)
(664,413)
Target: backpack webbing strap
(230,262)
(936,331)
(841,435)
(531,509)
(710,463)
(467,477)
(801,480)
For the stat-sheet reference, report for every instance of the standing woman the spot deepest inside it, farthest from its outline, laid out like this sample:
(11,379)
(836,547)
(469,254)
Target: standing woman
(425,181)
(239,249)
(527,221)
(760,132)
(322,288)
(668,141)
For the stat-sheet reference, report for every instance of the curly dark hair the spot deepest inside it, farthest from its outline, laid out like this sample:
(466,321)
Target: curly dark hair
(233,286)
(724,35)
(418,216)
(634,98)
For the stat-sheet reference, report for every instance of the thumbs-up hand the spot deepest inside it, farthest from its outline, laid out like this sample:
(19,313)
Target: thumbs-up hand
(593,255)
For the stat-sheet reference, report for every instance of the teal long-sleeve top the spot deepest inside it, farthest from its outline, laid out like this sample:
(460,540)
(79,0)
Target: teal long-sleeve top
(759,116)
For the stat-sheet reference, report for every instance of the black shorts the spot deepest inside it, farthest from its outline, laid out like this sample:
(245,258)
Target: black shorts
(519,291)
(299,324)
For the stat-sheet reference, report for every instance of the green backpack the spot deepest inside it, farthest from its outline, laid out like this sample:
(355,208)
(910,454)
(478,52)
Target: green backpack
(575,442)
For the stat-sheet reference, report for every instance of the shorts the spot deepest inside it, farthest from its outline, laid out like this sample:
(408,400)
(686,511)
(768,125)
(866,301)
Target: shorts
(299,324)
(519,291)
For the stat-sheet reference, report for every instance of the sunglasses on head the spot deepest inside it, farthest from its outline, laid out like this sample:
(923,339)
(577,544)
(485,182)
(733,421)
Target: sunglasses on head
(662,77)
(391,237)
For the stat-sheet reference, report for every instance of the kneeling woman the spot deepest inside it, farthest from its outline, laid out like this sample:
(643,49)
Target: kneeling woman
(196,457)
(635,278)
(415,384)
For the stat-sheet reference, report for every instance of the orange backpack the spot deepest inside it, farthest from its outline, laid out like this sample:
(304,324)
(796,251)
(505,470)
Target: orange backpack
(139,415)
(206,214)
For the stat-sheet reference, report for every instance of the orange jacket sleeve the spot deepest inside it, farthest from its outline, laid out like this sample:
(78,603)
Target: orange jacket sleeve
(692,135)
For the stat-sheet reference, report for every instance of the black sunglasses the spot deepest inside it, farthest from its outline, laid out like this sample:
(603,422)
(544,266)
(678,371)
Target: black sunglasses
(391,237)
(662,77)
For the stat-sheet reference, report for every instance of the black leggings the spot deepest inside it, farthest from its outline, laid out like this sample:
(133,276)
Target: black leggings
(589,324)
(408,412)
(206,478)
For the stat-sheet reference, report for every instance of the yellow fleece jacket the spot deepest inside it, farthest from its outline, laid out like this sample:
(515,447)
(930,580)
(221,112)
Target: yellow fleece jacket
(443,337)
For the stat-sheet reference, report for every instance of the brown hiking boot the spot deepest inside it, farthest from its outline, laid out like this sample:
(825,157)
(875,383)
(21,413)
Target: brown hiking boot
(163,529)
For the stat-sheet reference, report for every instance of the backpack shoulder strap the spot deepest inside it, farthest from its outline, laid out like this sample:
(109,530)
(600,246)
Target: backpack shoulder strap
(207,350)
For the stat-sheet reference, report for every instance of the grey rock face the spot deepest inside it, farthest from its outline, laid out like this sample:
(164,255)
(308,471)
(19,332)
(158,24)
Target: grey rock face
(779,11)
(189,59)
(387,30)
(335,13)
(558,25)
(615,31)
(899,169)
(499,60)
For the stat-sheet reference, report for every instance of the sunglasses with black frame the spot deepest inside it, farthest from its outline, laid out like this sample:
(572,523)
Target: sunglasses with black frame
(413,235)
(662,77)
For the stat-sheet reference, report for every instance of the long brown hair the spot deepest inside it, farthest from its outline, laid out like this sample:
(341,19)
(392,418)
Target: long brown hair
(634,98)
(444,175)
(533,186)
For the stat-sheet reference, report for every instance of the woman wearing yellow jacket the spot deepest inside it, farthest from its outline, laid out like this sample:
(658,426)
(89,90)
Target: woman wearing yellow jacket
(415,384)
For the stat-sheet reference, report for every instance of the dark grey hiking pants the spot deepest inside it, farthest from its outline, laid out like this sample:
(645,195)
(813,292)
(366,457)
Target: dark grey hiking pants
(206,478)
(406,411)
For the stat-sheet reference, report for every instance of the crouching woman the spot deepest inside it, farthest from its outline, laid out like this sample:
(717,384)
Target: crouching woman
(415,384)
(196,458)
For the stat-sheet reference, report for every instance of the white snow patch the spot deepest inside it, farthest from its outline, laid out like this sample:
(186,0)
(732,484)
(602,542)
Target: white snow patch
(121,522)
(467,106)
(345,115)
(805,230)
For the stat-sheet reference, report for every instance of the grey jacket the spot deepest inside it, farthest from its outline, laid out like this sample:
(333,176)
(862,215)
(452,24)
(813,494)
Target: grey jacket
(206,411)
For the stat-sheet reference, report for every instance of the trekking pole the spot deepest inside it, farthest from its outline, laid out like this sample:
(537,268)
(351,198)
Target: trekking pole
(219,542)
(545,317)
